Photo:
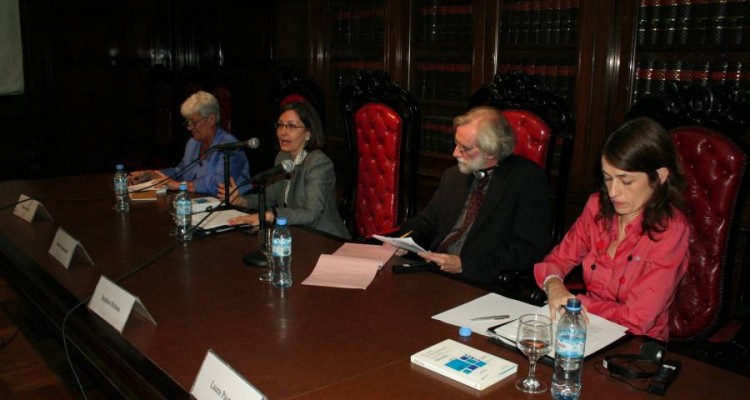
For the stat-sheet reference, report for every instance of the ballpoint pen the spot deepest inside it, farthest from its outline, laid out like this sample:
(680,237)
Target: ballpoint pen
(490,317)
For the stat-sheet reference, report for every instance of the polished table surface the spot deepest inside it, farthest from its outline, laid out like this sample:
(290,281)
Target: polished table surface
(306,342)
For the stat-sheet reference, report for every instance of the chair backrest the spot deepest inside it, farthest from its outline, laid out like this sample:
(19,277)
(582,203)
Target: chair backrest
(543,125)
(715,163)
(382,127)
(533,135)
(294,86)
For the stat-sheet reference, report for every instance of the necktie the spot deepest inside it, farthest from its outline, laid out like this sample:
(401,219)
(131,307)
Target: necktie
(476,198)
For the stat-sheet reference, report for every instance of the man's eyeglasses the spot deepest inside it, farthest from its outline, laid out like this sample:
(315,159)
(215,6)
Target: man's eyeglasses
(280,125)
(463,149)
(191,124)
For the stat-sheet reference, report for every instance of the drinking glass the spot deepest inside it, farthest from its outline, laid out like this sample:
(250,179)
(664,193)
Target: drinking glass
(534,339)
(264,247)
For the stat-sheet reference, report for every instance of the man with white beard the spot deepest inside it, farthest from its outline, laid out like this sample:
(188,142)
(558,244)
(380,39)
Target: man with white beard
(490,212)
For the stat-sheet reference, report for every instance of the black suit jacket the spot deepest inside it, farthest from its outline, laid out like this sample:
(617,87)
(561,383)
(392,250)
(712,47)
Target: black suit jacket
(511,229)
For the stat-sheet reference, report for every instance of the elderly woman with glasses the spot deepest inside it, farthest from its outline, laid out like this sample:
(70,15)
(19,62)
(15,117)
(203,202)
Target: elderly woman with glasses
(201,167)
(306,196)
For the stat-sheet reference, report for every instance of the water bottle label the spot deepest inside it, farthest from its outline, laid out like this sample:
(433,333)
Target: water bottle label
(282,247)
(183,208)
(570,344)
(121,186)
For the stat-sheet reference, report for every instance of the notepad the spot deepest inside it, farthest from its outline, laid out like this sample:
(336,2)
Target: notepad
(352,266)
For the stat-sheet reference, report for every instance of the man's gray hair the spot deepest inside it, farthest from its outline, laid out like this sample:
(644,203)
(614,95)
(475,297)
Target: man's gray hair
(494,135)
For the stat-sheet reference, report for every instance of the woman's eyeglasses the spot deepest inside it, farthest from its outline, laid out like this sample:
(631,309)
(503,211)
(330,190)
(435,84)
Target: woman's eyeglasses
(191,124)
(280,125)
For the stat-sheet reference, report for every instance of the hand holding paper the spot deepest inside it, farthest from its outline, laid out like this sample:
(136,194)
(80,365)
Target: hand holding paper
(404,243)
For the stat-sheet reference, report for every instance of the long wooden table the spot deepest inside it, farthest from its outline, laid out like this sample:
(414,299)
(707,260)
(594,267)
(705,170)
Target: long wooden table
(306,342)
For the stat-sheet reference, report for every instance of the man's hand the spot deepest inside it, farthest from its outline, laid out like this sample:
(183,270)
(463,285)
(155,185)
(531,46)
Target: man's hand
(447,262)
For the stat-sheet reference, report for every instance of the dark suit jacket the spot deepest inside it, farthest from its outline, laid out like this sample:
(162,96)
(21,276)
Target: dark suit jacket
(511,229)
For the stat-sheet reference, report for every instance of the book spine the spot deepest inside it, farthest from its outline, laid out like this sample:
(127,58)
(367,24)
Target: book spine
(457,377)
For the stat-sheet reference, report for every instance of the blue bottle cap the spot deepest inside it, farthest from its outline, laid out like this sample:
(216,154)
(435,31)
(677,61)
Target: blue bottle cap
(183,186)
(281,221)
(464,331)
(119,167)
(573,305)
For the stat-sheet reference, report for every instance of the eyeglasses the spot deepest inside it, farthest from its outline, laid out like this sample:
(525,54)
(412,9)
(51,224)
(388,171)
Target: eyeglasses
(463,149)
(191,124)
(280,125)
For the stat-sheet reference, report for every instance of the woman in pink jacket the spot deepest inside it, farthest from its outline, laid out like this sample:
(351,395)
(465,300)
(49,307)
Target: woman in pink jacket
(632,237)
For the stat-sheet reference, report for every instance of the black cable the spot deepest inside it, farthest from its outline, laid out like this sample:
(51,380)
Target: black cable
(602,370)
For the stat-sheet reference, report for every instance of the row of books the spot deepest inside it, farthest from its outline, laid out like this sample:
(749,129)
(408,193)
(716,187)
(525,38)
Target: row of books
(652,76)
(539,22)
(437,134)
(452,24)
(359,27)
(693,23)
(442,81)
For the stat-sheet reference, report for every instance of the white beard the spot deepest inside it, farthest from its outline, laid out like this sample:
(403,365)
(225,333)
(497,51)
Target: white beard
(471,166)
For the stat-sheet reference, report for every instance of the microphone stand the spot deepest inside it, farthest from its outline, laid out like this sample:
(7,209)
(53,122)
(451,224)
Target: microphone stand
(260,257)
(225,205)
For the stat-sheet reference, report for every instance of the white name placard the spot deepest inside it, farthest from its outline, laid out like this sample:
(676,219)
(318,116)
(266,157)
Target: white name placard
(218,381)
(114,304)
(64,247)
(27,208)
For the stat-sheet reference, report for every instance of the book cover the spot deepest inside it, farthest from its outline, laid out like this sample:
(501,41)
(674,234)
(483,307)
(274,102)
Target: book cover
(465,364)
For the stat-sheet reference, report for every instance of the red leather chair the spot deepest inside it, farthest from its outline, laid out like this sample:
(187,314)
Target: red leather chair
(382,128)
(543,125)
(702,123)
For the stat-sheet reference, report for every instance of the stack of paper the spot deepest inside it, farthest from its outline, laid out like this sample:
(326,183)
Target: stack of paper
(352,266)
(600,332)
(200,204)
(145,191)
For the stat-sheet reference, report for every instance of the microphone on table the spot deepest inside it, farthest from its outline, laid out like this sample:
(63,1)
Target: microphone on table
(285,167)
(252,143)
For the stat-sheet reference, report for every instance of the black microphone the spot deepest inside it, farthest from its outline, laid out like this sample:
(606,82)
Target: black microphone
(252,143)
(285,167)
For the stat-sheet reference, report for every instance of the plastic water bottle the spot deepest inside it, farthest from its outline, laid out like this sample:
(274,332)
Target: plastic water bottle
(120,182)
(183,213)
(281,249)
(569,350)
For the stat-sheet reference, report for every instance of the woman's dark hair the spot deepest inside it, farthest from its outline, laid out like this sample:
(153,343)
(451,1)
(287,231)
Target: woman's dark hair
(642,145)
(310,118)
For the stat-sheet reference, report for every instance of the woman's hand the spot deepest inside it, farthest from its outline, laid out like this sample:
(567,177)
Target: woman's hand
(137,177)
(234,194)
(251,219)
(447,262)
(557,298)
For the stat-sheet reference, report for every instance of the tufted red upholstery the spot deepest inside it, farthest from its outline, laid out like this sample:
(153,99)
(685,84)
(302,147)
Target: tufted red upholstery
(533,135)
(379,130)
(714,169)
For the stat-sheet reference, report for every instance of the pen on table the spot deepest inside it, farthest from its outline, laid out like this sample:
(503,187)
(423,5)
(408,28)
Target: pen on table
(490,317)
(406,234)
